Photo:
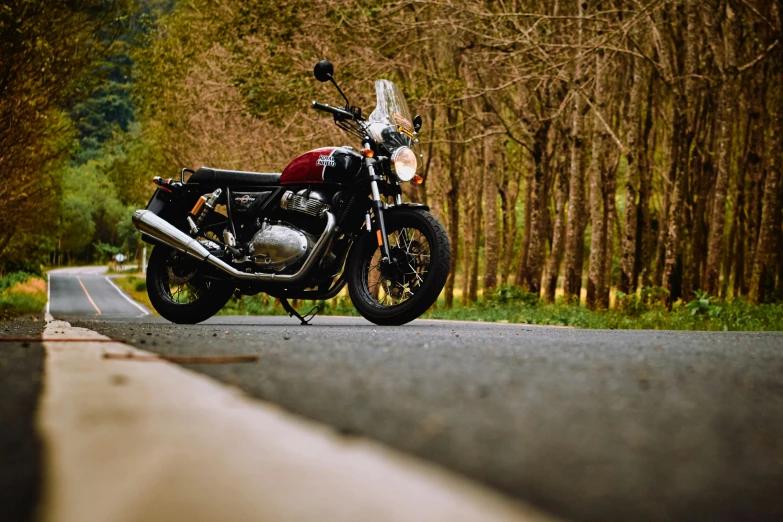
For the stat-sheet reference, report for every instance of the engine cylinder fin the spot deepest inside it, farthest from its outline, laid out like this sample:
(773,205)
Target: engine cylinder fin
(297,203)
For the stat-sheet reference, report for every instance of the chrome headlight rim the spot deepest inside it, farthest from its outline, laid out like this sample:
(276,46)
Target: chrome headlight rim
(404,168)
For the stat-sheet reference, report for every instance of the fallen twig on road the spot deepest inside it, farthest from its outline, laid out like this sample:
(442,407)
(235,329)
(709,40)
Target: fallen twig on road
(184,359)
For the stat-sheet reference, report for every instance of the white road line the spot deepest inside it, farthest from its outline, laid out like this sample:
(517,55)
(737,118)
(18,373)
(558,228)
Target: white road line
(127,298)
(47,316)
(88,295)
(130,441)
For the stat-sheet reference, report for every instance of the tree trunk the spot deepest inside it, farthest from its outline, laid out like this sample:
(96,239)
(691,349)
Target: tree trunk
(595,275)
(683,130)
(558,235)
(610,219)
(646,253)
(671,275)
(575,226)
(740,216)
(452,199)
(508,200)
(478,217)
(466,231)
(726,103)
(765,264)
(521,276)
(753,166)
(538,218)
(491,237)
(630,239)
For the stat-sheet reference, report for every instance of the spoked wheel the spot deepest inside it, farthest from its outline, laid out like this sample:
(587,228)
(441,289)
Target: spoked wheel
(399,291)
(178,289)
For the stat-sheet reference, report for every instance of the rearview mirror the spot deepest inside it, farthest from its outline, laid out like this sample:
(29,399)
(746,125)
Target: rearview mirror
(323,71)
(417,123)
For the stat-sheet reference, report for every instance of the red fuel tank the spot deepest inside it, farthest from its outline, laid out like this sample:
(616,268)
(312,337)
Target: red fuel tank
(324,165)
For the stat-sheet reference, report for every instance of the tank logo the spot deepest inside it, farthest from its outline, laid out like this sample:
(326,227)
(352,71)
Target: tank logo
(326,161)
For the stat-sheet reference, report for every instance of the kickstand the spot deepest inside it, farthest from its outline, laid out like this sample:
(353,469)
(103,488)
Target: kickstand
(309,316)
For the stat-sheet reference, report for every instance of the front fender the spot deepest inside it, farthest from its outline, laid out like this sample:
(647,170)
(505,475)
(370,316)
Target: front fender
(415,206)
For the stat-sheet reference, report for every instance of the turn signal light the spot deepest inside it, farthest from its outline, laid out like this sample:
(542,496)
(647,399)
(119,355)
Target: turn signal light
(368,153)
(418,179)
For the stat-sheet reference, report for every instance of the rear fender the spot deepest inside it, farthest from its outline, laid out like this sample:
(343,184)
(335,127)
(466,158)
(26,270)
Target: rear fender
(173,206)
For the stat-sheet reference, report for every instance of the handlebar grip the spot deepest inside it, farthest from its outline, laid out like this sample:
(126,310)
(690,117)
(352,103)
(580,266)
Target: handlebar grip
(339,114)
(324,107)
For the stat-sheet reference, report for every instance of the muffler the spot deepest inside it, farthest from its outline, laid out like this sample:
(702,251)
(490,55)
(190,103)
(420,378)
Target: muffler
(158,228)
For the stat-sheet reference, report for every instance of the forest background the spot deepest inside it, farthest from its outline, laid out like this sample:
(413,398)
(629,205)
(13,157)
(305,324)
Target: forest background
(625,152)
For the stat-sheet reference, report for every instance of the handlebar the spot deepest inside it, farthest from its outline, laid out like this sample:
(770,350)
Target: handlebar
(339,114)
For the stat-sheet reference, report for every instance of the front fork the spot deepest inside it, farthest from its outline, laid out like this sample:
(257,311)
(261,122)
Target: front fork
(377,207)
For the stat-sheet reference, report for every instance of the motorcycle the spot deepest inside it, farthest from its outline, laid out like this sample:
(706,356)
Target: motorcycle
(334,216)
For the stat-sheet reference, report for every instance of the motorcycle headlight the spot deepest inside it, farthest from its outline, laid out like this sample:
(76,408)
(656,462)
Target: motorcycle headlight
(404,163)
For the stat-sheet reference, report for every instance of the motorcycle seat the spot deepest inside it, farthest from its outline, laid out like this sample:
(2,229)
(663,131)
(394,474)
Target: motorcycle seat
(233,177)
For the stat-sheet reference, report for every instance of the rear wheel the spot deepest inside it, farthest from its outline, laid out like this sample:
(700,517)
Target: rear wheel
(178,289)
(398,292)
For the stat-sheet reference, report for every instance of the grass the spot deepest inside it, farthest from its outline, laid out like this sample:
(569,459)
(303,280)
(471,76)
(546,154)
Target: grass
(644,311)
(136,287)
(508,304)
(21,293)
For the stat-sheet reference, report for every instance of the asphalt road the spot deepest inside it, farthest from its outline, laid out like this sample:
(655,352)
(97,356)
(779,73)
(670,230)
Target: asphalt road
(78,293)
(21,367)
(589,425)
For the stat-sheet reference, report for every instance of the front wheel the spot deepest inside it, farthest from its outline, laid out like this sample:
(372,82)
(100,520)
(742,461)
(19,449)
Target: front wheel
(399,291)
(178,289)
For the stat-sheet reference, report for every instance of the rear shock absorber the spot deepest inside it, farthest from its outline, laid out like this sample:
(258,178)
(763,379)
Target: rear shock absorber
(203,207)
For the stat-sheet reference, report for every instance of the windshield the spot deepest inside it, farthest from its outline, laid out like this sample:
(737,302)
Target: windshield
(390,122)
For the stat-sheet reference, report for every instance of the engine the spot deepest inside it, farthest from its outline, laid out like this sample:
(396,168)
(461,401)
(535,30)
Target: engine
(278,245)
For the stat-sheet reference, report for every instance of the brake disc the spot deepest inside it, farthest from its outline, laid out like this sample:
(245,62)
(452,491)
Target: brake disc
(179,276)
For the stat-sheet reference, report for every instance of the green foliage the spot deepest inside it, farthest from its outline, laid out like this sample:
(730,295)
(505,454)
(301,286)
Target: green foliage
(97,118)
(94,223)
(646,312)
(703,306)
(262,304)
(650,299)
(48,56)
(105,251)
(136,287)
(13,278)
(509,295)
(17,302)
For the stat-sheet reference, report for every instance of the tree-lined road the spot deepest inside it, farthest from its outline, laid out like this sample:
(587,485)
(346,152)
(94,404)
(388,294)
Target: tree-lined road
(88,292)
(589,425)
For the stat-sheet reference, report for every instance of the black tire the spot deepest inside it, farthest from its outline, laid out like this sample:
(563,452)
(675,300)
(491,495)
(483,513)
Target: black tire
(209,296)
(430,283)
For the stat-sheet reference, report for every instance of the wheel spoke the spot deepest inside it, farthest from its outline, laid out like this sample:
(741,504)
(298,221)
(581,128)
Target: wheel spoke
(393,285)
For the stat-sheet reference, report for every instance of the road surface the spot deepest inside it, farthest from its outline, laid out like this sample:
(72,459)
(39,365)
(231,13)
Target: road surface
(78,293)
(587,425)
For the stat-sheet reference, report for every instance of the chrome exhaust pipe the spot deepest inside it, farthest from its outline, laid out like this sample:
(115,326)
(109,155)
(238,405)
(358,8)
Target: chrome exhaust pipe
(158,228)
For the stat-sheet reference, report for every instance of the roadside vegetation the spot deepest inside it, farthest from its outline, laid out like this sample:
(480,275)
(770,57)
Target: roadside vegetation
(136,287)
(509,304)
(21,293)
(611,161)
(647,311)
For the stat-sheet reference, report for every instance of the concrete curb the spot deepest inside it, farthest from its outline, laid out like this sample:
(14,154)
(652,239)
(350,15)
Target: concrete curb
(139,441)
